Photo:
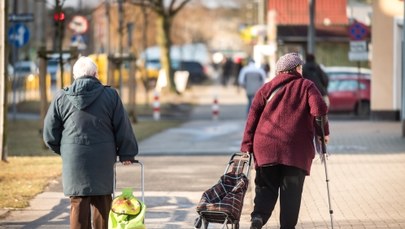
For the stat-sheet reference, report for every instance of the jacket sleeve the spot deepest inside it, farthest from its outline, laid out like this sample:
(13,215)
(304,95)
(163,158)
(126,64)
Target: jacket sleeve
(318,107)
(126,143)
(254,115)
(53,127)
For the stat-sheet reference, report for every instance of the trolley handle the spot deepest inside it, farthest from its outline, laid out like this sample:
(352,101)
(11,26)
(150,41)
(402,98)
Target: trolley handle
(142,178)
(245,159)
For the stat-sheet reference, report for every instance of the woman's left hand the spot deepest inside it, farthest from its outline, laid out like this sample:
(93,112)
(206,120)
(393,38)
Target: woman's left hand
(126,162)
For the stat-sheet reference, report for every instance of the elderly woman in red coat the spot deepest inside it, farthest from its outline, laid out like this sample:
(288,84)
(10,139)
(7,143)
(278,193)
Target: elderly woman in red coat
(279,131)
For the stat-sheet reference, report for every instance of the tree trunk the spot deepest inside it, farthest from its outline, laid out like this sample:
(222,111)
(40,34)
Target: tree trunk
(164,41)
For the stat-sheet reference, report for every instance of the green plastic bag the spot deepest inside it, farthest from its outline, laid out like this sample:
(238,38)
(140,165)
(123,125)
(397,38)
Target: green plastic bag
(127,212)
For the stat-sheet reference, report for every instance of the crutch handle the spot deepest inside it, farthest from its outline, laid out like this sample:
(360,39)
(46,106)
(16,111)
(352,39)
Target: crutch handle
(320,120)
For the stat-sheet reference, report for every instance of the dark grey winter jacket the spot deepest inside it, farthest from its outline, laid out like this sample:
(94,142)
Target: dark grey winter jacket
(88,126)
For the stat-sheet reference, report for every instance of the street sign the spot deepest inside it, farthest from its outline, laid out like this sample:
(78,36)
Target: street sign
(358,31)
(358,51)
(358,56)
(27,17)
(18,35)
(358,46)
(79,24)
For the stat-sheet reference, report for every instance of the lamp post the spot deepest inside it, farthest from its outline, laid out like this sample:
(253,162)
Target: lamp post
(311,27)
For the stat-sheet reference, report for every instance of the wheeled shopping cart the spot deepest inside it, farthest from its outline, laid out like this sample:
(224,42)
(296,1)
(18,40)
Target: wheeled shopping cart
(127,212)
(223,202)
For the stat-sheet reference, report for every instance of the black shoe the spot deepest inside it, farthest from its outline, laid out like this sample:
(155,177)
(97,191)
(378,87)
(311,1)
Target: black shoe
(257,223)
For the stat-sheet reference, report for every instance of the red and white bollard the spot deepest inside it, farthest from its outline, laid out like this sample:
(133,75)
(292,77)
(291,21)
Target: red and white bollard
(215,109)
(156,106)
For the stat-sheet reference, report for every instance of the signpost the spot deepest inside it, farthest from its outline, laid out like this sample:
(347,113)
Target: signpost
(358,33)
(79,25)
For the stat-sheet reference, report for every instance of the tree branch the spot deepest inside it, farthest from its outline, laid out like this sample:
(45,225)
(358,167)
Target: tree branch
(175,11)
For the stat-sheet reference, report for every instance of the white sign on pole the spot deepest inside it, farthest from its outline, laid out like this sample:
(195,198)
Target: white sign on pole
(358,51)
(358,46)
(358,56)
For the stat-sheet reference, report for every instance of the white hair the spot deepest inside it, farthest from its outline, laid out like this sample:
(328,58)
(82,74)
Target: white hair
(84,66)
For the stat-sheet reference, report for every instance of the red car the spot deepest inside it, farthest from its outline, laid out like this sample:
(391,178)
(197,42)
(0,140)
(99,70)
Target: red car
(350,94)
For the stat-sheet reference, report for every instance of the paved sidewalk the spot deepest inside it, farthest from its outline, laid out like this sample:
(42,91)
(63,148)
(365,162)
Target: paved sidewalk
(366,171)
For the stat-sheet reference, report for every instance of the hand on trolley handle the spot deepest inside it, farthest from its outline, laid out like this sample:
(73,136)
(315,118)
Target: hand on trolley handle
(129,162)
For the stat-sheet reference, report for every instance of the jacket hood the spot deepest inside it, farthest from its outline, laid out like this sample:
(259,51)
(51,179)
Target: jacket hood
(84,91)
(283,78)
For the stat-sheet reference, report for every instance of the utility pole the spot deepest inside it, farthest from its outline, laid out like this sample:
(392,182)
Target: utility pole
(311,27)
(403,75)
(3,80)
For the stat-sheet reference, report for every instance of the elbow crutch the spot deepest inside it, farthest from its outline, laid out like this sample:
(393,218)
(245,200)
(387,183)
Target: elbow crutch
(321,121)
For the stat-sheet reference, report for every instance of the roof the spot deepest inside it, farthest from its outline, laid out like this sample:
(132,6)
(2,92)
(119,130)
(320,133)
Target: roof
(296,12)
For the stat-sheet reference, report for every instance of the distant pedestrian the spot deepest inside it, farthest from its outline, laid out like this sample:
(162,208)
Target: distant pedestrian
(266,66)
(312,71)
(227,71)
(279,132)
(251,78)
(88,126)
(238,67)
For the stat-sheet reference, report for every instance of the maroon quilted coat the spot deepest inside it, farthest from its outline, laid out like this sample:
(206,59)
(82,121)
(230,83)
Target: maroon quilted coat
(282,131)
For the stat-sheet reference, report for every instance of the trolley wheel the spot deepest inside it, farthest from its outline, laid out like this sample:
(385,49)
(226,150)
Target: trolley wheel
(197,223)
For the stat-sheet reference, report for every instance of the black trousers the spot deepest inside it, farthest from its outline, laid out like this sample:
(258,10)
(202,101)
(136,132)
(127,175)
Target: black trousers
(275,180)
(80,211)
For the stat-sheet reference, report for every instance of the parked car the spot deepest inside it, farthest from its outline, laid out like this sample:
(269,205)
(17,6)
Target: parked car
(152,68)
(350,94)
(52,68)
(196,71)
(25,69)
(344,71)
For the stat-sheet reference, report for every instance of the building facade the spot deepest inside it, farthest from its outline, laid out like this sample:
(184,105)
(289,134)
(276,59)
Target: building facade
(387,92)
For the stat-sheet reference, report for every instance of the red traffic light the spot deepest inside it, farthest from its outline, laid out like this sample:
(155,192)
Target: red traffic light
(59,16)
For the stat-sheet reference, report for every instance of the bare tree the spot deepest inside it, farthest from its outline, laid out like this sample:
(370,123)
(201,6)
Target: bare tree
(165,10)
(3,81)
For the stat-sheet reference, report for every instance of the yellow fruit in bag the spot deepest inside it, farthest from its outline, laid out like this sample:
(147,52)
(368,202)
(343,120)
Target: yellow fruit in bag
(126,203)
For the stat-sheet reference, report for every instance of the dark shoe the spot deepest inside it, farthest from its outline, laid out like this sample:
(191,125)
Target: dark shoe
(257,223)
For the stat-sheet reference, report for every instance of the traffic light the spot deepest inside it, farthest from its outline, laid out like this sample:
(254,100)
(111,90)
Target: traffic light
(59,26)
(59,16)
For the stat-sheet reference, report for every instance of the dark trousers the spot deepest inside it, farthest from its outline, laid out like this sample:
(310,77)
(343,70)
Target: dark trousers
(272,180)
(80,211)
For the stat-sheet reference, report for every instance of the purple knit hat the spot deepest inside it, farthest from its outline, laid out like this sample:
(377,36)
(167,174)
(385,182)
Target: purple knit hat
(288,62)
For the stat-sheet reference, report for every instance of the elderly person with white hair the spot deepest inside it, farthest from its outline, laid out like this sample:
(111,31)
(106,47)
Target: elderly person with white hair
(279,131)
(88,126)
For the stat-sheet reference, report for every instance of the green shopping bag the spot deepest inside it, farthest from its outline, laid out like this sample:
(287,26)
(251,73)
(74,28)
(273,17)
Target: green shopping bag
(127,212)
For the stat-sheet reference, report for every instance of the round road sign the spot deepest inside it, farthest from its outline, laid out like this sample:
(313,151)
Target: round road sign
(358,31)
(79,24)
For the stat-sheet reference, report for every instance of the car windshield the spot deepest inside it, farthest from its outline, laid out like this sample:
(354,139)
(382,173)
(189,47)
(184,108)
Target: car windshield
(153,64)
